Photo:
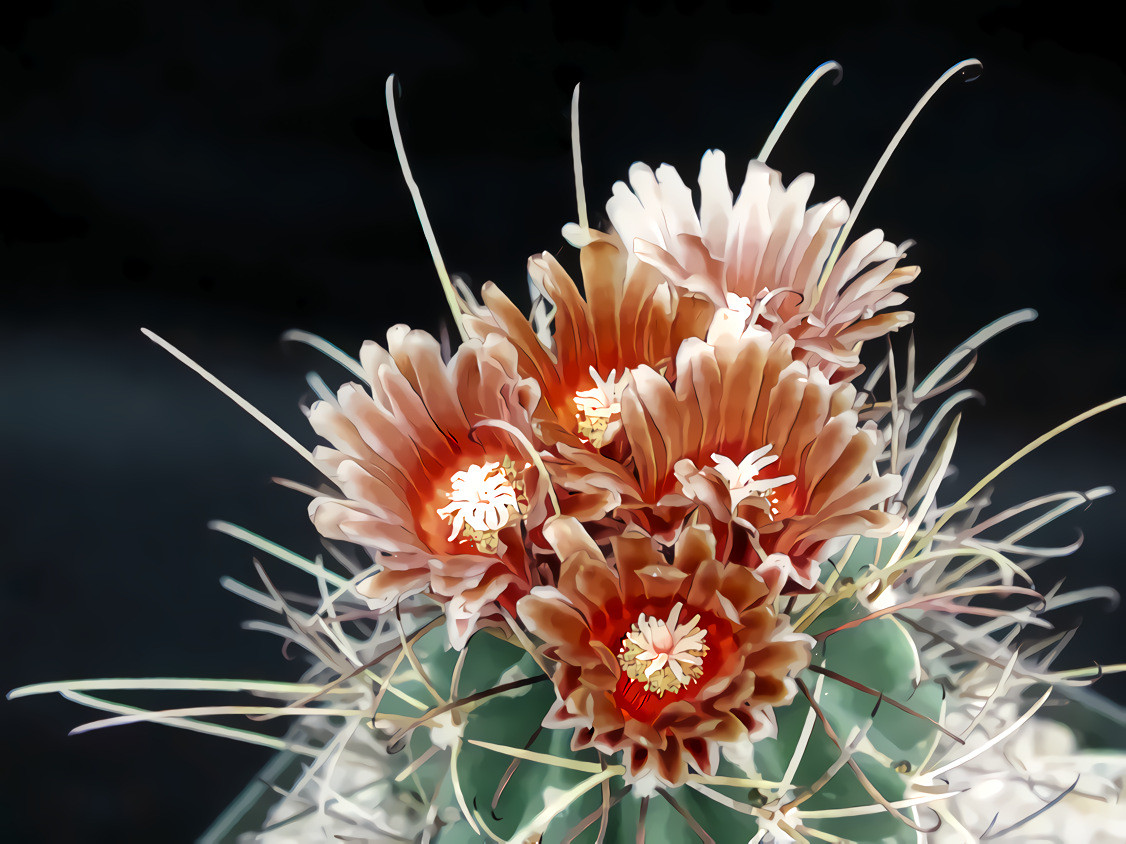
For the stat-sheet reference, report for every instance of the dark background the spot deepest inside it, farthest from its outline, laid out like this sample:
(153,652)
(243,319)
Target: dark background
(222,173)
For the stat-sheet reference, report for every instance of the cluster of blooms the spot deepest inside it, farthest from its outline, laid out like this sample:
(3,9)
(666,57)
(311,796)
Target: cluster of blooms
(662,496)
(640,488)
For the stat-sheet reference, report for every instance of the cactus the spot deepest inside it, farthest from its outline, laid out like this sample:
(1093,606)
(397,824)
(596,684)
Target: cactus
(654,562)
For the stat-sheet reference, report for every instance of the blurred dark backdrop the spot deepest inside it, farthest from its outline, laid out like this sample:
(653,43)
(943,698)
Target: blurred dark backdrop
(222,172)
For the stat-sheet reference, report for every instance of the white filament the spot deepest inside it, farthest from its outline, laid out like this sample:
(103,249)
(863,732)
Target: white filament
(842,236)
(576,153)
(272,426)
(416,195)
(796,101)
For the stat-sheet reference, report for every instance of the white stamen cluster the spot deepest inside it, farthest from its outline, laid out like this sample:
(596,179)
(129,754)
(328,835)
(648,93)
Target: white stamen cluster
(599,406)
(483,499)
(743,483)
(663,654)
